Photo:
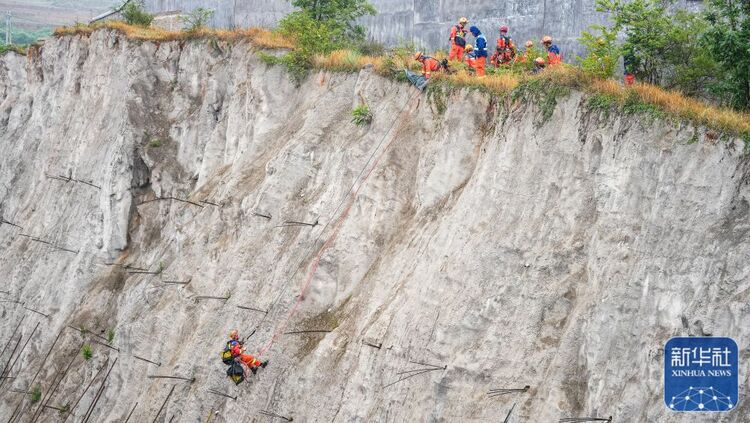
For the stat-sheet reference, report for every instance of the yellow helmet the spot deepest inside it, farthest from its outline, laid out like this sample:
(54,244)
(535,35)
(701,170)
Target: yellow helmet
(463,20)
(417,55)
(546,39)
(529,44)
(469,47)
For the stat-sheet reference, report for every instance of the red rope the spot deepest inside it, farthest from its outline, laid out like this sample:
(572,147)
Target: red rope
(328,243)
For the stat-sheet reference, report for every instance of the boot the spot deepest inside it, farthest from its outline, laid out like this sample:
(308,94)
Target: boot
(264,364)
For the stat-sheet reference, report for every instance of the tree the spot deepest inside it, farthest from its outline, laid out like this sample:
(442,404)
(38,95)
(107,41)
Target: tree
(197,19)
(602,51)
(727,39)
(134,14)
(339,15)
(646,25)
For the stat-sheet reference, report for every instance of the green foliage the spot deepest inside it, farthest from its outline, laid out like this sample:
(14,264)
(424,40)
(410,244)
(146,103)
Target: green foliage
(110,336)
(63,409)
(361,115)
(635,106)
(24,37)
(4,48)
(319,27)
(727,38)
(602,103)
(542,92)
(602,51)
(135,14)
(339,15)
(36,394)
(197,19)
(86,351)
(155,143)
(436,94)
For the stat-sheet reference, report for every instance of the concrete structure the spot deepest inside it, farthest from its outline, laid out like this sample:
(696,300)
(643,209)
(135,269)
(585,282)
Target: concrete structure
(426,22)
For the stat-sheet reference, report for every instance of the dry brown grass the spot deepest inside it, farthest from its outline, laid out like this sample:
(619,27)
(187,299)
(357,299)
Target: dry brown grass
(262,38)
(673,103)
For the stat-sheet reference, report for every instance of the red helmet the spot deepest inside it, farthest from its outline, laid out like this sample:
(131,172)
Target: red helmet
(504,28)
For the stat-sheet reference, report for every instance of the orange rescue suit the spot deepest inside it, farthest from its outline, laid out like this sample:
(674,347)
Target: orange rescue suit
(430,65)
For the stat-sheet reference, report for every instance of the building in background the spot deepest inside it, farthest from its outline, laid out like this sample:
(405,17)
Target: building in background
(427,23)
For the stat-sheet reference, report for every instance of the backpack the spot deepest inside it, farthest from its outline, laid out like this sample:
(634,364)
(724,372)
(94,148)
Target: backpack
(226,356)
(236,373)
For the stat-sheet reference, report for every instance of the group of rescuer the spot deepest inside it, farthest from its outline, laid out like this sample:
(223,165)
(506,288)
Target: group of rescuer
(477,55)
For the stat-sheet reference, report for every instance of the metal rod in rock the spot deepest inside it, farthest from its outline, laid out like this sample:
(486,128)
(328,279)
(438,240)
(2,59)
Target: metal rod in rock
(164,403)
(507,417)
(55,384)
(49,352)
(12,301)
(146,360)
(105,345)
(253,309)
(5,292)
(188,379)
(36,311)
(187,201)
(131,412)
(412,375)
(3,221)
(172,418)
(428,364)
(18,391)
(178,282)
(12,336)
(267,216)
(210,203)
(279,416)
(54,408)
(369,344)
(19,354)
(210,297)
(295,223)
(584,419)
(91,409)
(91,382)
(419,370)
(215,392)
(504,391)
(13,351)
(124,266)
(143,272)
(306,331)
(85,331)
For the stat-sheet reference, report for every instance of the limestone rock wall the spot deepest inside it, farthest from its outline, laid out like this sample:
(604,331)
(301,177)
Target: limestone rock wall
(455,230)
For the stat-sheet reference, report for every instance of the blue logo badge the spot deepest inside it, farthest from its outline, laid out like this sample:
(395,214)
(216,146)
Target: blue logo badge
(700,374)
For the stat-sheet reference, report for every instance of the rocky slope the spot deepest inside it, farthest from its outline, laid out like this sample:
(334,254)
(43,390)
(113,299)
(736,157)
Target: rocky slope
(456,230)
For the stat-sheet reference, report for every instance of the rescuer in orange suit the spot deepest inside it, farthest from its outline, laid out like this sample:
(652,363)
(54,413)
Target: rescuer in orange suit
(429,64)
(458,40)
(553,52)
(238,352)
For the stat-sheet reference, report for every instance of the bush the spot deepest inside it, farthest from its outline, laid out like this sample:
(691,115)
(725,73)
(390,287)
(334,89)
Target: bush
(361,115)
(371,48)
(602,52)
(134,14)
(110,336)
(36,394)
(86,351)
(197,19)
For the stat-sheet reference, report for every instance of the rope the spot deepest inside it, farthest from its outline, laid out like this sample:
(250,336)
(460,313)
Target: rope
(337,223)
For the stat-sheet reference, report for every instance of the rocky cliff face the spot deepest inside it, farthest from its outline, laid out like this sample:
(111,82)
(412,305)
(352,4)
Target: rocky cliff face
(456,230)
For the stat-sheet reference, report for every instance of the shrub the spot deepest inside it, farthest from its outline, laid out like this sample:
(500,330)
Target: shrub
(602,52)
(155,143)
(86,351)
(361,115)
(36,394)
(134,14)
(110,335)
(197,19)
(371,48)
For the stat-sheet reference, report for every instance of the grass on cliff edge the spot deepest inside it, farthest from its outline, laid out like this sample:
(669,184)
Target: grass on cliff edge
(609,93)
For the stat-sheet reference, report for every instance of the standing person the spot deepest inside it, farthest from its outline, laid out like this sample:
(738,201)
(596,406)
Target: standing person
(429,64)
(480,51)
(505,50)
(629,61)
(458,40)
(553,52)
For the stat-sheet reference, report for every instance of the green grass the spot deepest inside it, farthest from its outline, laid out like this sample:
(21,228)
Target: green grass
(87,352)
(541,92)
(36,394)
(110,336)
(361,115)
(155,143)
